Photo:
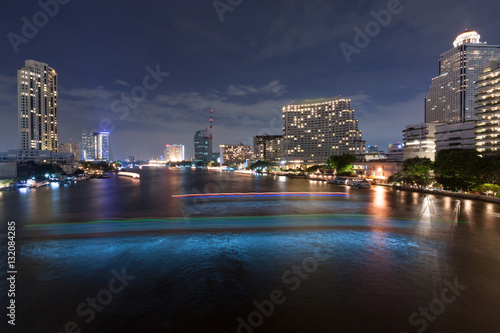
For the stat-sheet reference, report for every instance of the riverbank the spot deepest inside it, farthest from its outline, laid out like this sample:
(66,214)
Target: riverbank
(450,194)
(407,188)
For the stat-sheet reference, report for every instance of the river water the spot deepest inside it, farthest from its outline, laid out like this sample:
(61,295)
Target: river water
(124,255)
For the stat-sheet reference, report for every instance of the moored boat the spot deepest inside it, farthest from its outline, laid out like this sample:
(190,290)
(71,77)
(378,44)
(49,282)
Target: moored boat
(359,183)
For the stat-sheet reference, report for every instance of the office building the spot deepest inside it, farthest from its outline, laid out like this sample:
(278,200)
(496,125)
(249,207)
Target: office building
(451,95)
(174,153)
(314,130)
(70,147)
(203,146)
(203,143)
(235,154)
(488,110)
(95,146)
(456,136)
(37,107)
(419,140)
(268,148)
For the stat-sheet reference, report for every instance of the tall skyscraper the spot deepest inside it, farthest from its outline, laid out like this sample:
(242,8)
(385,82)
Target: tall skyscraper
(487,110)
(174,153)
(314,130)
(37,107)
(95,146)
(451,95)
(202,146)
(203,143)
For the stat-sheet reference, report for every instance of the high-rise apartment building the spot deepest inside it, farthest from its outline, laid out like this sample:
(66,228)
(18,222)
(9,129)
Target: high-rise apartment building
(268,148)
(37,107)
(451,95)
(174,153)
(95,146)
(314,130)
(488,110)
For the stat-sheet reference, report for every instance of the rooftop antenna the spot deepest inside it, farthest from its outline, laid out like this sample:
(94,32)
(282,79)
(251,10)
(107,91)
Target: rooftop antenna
(211,122)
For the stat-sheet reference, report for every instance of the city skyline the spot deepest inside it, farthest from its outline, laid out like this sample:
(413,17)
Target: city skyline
(250,166)
(451,96)
(243,81)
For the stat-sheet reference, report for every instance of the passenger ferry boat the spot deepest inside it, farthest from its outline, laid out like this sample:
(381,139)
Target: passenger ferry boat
(359,183)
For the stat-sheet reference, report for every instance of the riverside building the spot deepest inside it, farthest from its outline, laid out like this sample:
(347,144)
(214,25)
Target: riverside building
(451,94)
(95,146)
(235,154)
(37,107)
(314,130)
(419,141)
(174,153)
(203,146)
(456,136)
(488,110)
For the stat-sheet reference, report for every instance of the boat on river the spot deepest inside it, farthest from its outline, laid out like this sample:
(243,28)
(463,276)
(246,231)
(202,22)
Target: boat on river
(359,183)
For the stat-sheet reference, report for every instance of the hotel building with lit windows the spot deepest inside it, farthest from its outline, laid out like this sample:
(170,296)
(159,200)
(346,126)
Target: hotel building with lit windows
(236,154)
(314,130)
(451,96)
(174,153)
(95,146)
(488,110)
(37,107)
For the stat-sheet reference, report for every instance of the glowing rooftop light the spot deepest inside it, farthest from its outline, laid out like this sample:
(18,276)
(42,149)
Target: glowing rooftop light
(467,37)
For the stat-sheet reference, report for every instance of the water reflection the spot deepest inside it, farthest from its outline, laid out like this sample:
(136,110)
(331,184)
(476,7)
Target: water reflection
(151,197)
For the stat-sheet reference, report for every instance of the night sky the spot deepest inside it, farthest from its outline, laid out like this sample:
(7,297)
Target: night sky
(263,55)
